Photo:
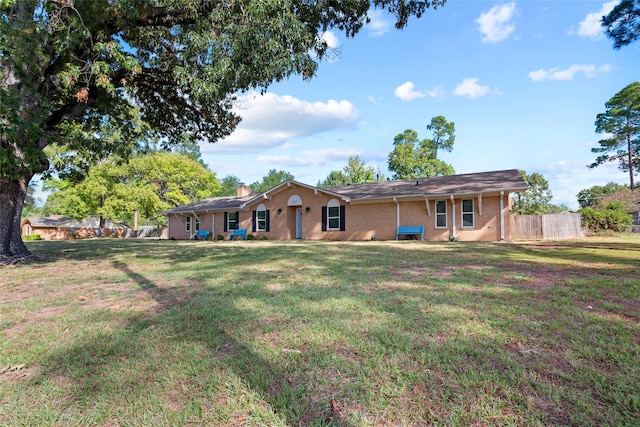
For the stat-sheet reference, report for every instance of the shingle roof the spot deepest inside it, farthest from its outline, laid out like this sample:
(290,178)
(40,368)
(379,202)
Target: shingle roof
(43,221)
(216,203)
(472,183)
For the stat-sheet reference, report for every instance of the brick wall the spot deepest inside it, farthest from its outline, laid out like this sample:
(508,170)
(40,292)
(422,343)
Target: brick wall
(363,221)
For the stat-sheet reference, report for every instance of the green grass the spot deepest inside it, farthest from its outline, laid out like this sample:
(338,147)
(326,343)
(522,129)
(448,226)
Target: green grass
(145,333)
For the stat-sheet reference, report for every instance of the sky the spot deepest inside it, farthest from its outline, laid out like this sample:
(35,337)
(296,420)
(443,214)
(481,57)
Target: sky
(523,81)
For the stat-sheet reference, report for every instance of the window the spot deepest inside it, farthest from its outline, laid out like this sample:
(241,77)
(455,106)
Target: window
(333,216)
(441,214)
(261,219)
(232,220)
(187,225)
(467,213)
(197,223)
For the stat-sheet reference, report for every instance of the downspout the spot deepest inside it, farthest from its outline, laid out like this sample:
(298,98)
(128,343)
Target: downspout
(397,212)
(168,228)
(453,206)
(502,215)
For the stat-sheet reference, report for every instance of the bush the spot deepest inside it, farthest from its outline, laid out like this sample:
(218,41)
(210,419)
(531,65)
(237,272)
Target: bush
(264,237)
(220,237)
(251,237)
(27,237)
(612,218)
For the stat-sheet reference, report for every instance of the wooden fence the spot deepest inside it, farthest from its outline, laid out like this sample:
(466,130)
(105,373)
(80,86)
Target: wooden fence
(553,226)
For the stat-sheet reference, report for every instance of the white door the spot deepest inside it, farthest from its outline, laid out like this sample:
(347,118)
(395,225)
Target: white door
(299,223)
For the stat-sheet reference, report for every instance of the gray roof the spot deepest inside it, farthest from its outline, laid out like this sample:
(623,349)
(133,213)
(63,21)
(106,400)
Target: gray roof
(471,183)
(214,204)
(441,186)
(43,221)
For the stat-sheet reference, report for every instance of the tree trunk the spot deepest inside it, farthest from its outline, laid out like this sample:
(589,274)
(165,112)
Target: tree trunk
(630,154)
(12,195)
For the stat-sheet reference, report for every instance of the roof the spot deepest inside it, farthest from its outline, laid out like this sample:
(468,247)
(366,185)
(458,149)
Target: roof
(43,221)
(441,186)
(91,221)
(213,204)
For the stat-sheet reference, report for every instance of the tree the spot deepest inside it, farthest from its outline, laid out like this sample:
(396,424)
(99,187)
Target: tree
(147,184)
(355,172)
(621,121)
(272,179)
(229,185)
(622,24)
(411,158)
(591,197)
(68,66)
(334,179)
(537,199)
(31,202)
(443,135)
(624,197)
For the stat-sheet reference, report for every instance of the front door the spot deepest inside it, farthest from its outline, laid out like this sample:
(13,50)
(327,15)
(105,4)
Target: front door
(299,223)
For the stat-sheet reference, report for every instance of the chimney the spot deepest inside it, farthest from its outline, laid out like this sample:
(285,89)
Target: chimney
(243,190)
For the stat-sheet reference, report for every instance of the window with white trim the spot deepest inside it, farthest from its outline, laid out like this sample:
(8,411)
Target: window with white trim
(187,224)
(441,214)
(261,218)
(467,213)
(333,215)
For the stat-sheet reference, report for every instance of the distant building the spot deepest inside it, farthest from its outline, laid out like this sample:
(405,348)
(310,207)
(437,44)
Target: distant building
(58,227)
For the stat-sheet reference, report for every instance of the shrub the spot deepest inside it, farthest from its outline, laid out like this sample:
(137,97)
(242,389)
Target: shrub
(251,237)
(27,237)
(264,237)
(220,237)
(612,218)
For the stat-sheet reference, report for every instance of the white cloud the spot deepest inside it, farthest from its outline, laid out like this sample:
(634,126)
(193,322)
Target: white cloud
(379,24)
(332,41)
(437,92)
(270,120)
(566,179)
(568,73)
(311,158)
(407,93)
(590,26)
(470,87)
(495,25)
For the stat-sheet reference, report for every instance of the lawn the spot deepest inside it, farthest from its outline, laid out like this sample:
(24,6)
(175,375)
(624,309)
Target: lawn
(146,333)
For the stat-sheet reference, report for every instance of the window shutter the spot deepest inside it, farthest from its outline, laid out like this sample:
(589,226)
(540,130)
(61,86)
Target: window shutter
(267,220)
(342,221)
(225,222)
(324,218)
(237,220)
(253,221)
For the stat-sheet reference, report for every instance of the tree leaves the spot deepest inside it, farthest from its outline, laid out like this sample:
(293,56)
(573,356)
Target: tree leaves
(621,123)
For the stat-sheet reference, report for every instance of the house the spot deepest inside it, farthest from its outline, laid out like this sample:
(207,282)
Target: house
(472,206)
(57,227)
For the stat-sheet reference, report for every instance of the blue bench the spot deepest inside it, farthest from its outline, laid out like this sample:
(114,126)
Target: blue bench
(242,232)
(201,235)
(410,230)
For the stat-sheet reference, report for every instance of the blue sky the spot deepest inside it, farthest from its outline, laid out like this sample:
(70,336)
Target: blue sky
(522,80)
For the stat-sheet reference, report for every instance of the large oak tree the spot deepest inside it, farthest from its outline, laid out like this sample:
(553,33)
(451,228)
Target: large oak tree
(69,66)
